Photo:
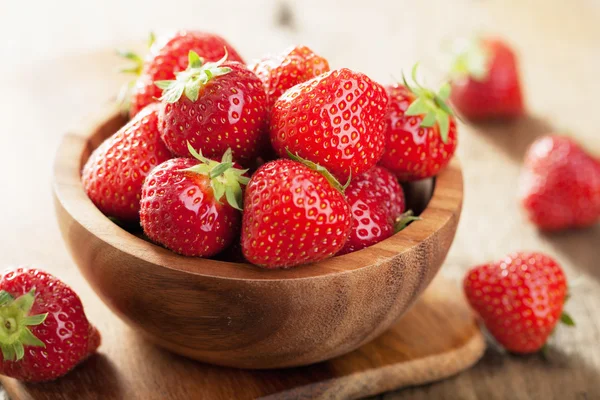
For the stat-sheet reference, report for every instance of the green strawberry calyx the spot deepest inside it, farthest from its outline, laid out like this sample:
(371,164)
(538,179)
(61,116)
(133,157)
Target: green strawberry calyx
(135,69)
(136,59)
(14,325)
(432,106)
(565,319)
(322,170)
(225,179)
(404,220)
(194,78)
(470,58)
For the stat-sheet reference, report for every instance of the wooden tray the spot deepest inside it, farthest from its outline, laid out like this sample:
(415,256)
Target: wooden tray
(436,339)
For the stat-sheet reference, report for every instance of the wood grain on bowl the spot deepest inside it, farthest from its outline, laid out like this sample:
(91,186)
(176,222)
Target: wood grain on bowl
(237,314)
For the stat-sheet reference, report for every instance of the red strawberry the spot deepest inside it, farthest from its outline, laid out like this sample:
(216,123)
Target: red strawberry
(421,131)
(168,56)
(485,80)
(335,120)
(520,299)
(386,190)
(44,332)
(183,205)
(114,173)
(560,184)
(294,214)
(376,201)
(214,107)
(282,71)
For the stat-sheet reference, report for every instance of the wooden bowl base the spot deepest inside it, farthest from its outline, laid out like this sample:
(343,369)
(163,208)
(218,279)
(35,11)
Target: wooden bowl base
(437,338)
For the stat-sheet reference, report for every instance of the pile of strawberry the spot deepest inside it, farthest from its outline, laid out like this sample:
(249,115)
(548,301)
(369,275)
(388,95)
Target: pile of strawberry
(291,162)
(286,158)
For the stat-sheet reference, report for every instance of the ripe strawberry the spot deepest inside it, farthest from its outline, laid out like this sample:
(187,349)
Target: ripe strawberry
(44,332)
(485,80)
(386,190)
(182,204)
(520,299)
(168,56)
(376,201)
(114,173)
(560,184)
(421,131)
(335,120)
(294,214)
(282,71)
(215,107)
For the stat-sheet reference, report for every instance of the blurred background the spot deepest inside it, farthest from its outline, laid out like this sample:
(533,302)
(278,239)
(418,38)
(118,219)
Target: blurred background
(58,66)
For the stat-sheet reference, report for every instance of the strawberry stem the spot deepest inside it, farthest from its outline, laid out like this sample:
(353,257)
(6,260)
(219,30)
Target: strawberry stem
(225,179)
(404,220)
(322,170)
(123,98)
(432,106)
(471,59)
(14,325)
(567,319)
(194,78)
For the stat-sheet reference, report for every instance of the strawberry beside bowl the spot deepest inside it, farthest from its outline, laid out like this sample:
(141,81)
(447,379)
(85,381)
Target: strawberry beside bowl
(239,315)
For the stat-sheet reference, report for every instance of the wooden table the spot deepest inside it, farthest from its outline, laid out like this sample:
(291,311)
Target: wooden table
(49,80)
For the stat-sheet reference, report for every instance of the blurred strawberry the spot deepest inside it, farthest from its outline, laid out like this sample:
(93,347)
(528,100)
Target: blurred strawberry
(485,80)
(560,184)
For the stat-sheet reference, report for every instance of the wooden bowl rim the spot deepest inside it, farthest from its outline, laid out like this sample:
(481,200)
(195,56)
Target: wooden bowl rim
(445,203)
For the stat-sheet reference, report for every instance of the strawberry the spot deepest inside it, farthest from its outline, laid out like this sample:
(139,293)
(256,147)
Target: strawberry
(560,184)
(215,107)
(376,201)
(295,213)
(386,190)
(114,173)
(421,131)
(168,56)
(485,80)
(182,204)
(520,299)
(44,332)
(335,120)
(282,71)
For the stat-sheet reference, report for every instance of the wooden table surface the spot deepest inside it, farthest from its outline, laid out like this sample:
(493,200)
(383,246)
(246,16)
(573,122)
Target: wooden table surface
(49,80)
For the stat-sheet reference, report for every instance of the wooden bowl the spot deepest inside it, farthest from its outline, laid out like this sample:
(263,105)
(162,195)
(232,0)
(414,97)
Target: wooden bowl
(239,315)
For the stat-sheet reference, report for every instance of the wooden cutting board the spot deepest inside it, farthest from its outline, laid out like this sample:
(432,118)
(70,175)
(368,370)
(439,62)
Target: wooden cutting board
(436,339)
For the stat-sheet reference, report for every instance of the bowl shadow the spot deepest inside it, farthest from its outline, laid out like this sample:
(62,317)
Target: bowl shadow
(580,246)
(513,136)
